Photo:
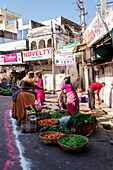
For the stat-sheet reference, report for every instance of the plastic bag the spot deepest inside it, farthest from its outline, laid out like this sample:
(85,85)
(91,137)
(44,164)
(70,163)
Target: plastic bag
(64,120)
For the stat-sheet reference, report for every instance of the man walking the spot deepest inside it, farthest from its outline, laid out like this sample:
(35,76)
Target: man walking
(91,95)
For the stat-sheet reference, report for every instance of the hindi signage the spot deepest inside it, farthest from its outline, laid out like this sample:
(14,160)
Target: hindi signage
(95,30)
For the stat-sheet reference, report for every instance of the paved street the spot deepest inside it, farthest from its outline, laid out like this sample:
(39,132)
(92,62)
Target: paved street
(26,151)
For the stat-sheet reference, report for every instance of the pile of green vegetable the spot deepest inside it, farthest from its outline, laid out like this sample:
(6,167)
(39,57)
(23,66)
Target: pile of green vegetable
(59,115)
(55,114)
(50,128)
(6,92)
(74,141)
(66,130)
(30,110)
(79,119)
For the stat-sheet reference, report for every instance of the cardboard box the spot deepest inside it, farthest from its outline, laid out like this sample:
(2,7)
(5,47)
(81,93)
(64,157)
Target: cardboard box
(29,125)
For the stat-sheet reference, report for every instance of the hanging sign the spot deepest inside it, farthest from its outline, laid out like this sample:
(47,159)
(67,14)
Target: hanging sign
(68,48)
(40,54)
(10,59)
(95,30)
(64,59)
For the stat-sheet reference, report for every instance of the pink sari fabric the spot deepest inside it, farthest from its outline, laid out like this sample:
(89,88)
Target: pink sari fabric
(72,102)
(40,94)
(72,99)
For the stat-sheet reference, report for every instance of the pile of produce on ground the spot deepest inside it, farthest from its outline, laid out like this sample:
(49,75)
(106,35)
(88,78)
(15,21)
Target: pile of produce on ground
(44,108)
(73,141)
(30,110)
(6,92)
(55,114)
(59,115)
(46,122)
(54,128)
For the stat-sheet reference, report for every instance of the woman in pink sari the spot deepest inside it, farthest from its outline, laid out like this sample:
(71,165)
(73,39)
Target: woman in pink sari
(72,97)
(40,93)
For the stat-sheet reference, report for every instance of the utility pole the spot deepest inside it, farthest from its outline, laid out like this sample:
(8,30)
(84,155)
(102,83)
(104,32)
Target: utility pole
(84,70)
(103,8)
(82,15)
(53,55)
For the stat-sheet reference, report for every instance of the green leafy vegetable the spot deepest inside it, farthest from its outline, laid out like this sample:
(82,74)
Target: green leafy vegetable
(79,119)
(50,128)
(74,141)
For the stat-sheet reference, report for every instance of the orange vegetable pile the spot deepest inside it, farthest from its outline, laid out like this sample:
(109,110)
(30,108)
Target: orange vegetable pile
(57,135)
(45,122)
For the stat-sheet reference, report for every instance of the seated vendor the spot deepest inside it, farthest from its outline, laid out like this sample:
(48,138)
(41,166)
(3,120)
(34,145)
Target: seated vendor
(24,98)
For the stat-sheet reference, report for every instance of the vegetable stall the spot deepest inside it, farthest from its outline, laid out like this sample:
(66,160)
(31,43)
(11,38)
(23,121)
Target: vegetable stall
(58,127)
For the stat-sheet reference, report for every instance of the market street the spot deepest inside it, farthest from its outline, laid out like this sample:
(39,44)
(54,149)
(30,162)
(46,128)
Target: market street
(26,151)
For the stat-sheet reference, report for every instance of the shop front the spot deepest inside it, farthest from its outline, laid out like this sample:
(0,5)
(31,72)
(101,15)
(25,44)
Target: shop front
(12,68)
(40,59)
(99,39)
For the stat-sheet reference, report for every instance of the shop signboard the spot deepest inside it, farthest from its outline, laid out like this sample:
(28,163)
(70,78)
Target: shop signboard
(95,30)
(64,59)
(40,54)
(68,48)
(10,59)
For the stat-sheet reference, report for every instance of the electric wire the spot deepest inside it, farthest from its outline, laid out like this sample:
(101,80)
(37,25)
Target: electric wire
(92,11)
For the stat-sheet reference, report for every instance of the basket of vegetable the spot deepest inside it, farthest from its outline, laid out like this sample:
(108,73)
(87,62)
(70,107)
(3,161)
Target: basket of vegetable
(106,126)
(52,128)
(50,137)
(73,142)
(58,115)
(85,124)
(30,111)
(43,115)
(46,122)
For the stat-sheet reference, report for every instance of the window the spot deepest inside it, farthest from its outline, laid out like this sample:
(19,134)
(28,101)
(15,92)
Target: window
(42,44)
(33,45)
(49,43)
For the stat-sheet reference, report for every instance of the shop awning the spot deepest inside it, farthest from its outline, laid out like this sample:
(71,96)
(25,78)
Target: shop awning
(13,46)
(80,48)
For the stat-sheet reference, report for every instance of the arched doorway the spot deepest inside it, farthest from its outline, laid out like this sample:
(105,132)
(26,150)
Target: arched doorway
(49,43)
(41,44)
(33,45)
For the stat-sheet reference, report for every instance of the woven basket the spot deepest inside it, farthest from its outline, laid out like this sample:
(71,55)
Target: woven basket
(69,148)
(86,129)
(49,141)
(50,126)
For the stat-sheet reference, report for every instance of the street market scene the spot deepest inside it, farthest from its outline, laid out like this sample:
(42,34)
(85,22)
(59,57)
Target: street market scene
(56,87)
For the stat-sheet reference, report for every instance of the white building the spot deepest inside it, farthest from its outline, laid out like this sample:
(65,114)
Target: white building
(55,33)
